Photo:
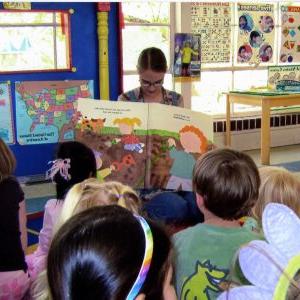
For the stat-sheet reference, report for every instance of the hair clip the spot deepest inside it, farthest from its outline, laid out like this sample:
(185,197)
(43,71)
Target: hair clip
(59,165)
(121,200)
(146,260)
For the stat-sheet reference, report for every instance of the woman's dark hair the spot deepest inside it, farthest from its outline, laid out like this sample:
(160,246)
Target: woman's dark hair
(83,166)
(152,59)
(98,253)
(228,181)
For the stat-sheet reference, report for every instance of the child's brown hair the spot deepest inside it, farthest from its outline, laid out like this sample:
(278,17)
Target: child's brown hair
(7,161)
(228,181)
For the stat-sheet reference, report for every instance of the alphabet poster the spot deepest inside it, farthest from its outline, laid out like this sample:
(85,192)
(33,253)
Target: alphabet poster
(213,22)
(256,33)
(290,34)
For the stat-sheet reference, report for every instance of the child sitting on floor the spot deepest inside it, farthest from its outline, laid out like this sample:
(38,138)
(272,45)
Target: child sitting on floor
(108,253)
(14,279)
(84,195)
(277,185)
(226,184)
(74,162)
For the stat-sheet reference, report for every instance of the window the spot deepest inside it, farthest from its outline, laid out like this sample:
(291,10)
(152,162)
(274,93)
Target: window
(146,24)
(34,41)
(207,95)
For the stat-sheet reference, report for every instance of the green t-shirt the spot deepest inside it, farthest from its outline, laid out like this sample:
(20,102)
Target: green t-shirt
(204,259)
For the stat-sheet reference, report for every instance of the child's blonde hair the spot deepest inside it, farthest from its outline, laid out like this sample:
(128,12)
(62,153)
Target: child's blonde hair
(86,194)
(91,192)
(277,185)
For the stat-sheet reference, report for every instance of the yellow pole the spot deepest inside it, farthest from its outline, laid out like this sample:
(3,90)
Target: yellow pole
(102,17)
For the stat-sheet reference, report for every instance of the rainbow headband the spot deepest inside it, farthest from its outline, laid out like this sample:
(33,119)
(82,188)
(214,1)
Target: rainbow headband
(146,260)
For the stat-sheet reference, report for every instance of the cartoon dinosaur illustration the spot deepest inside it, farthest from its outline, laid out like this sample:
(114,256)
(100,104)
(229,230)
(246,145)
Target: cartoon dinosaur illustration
(206,278)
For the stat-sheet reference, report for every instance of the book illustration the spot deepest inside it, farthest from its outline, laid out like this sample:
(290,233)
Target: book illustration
(130,141)
(144,145)
(192,141)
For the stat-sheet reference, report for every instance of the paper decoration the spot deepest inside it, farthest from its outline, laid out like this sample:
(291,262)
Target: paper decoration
(290,34)
(6,120)
(284,77)
(17,5)
(213,22)
(255,42)
(46,110)
(187,55)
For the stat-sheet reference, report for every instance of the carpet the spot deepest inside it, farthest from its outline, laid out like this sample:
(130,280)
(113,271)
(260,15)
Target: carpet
(293,166)
(35,215)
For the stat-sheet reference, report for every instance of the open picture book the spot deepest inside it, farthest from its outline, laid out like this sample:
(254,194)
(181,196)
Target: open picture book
(144,145)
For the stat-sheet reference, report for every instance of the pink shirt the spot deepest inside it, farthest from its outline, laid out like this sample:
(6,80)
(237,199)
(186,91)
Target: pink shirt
(37,261)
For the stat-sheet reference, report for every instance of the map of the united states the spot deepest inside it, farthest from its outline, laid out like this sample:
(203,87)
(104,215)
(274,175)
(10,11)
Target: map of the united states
(48,109)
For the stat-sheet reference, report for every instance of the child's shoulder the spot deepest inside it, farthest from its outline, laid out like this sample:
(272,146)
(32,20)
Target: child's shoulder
(189,233)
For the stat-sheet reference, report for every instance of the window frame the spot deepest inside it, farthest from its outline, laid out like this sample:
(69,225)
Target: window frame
(171,26)
(53,25)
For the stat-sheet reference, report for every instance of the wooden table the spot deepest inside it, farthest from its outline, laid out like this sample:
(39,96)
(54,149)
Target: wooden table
(265,101)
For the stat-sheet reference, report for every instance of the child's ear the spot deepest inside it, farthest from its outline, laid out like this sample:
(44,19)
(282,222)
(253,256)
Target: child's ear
(199,200)
(141,297)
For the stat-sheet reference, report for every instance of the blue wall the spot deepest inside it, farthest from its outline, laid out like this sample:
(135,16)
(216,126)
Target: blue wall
(32,159)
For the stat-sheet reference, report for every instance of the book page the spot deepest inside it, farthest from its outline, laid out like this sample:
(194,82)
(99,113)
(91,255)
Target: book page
(116,131)
(177,137)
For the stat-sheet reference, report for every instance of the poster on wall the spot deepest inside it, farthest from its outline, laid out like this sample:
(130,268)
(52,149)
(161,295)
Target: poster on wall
(284,78)
(6,120)
(46,110)
(213,22)
(187,56)
(255,33)
(290,35)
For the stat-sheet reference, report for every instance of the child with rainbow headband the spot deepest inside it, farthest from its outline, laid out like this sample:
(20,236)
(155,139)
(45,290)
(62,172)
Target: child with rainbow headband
(108,253)
(82,196)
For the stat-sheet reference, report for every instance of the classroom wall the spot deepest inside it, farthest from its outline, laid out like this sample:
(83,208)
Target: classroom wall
(33,159)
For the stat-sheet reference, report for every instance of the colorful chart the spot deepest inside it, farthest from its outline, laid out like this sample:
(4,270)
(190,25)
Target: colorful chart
(6,120)
(46,110)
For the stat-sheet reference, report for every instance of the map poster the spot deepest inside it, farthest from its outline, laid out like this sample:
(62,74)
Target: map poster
(256,32)
(46,110)
(290,34)
(6,120)
(284,77)
(212,20)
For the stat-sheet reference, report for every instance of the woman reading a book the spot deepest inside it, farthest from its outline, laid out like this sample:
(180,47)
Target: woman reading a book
(152,67)
(177,208)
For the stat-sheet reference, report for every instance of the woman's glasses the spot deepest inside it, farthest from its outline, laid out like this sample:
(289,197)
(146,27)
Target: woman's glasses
(146,83)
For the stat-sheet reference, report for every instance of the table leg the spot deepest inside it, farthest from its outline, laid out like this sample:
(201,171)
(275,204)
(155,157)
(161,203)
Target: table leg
(228,136)
(265,133)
